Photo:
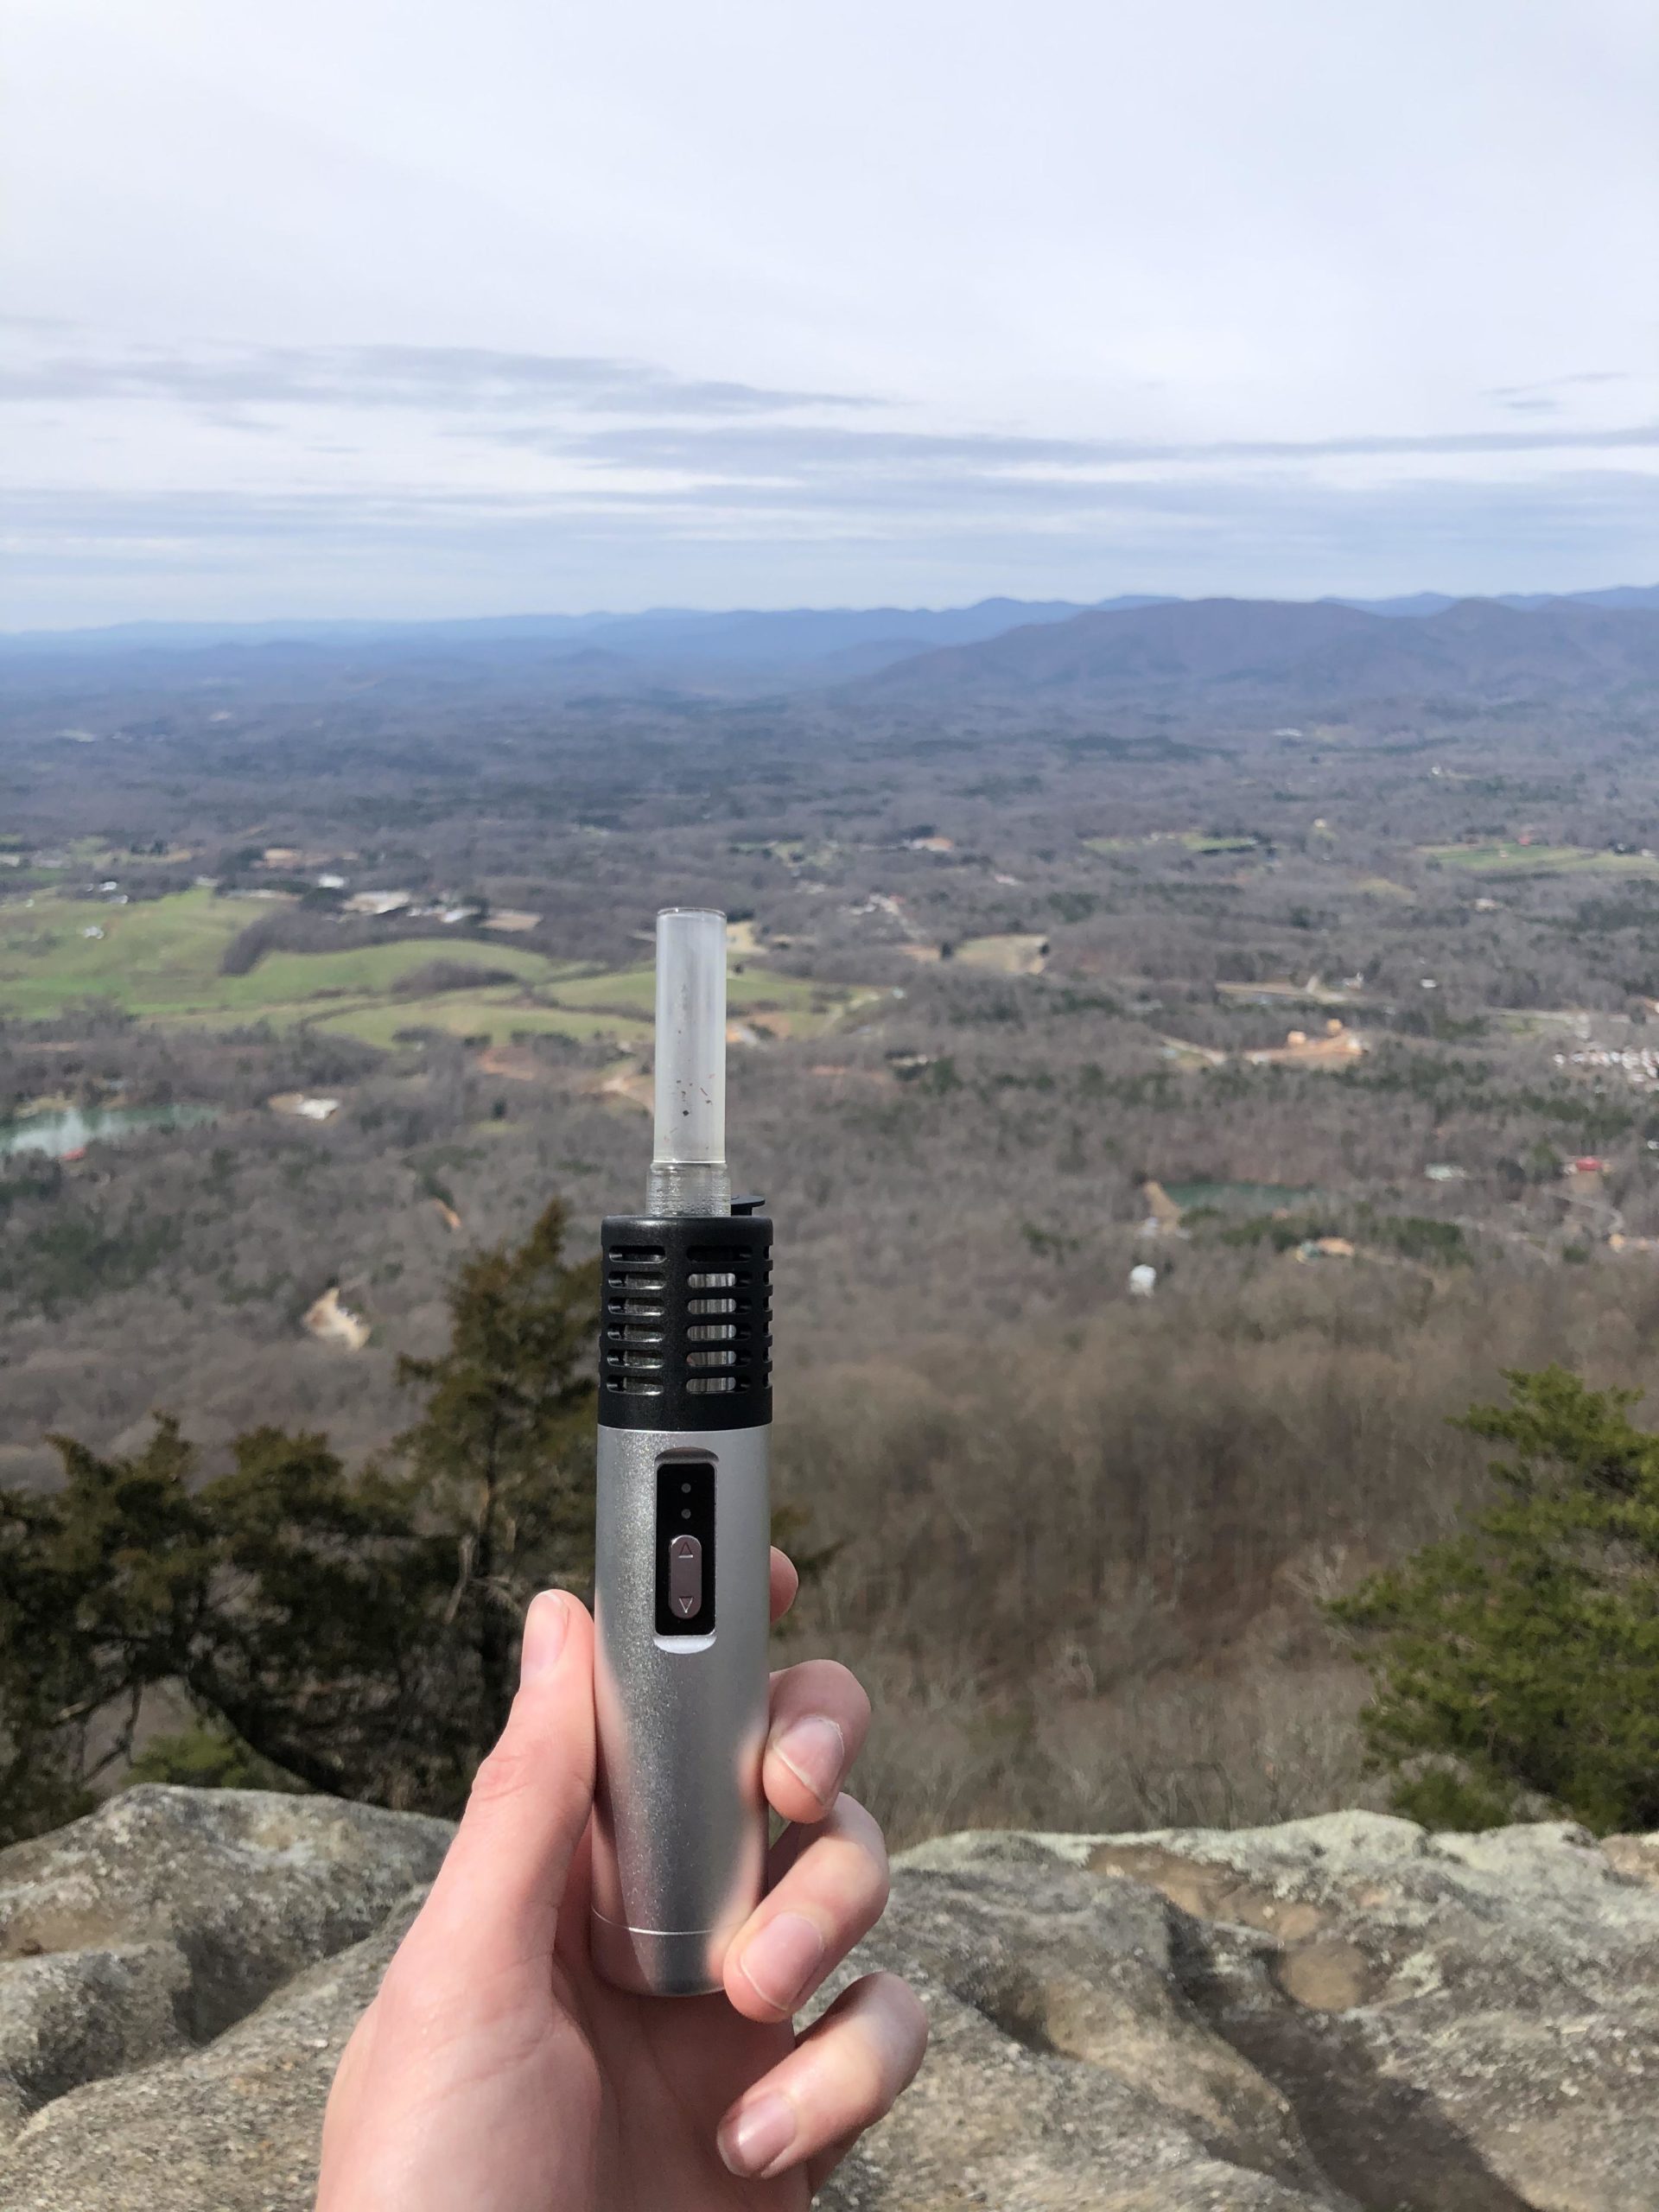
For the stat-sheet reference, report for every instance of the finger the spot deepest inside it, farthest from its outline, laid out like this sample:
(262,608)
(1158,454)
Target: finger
(784,1583)
(820,1717)
(344,2090)
(823,2164)
(831,1893)
(496,1899)
(842,2076)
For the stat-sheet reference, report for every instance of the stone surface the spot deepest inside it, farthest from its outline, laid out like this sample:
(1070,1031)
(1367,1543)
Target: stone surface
(177,1973)
(1339,2015)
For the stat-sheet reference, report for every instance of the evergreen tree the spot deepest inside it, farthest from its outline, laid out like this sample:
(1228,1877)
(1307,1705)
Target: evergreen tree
(353,1633)
(1517,1667)
(502,1454)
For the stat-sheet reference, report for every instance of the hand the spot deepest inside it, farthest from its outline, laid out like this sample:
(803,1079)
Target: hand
(495,2072)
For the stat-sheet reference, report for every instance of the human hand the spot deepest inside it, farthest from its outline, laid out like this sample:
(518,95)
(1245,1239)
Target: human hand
(495,2072)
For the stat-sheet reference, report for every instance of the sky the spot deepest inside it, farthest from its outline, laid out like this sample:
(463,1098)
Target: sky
(411,308)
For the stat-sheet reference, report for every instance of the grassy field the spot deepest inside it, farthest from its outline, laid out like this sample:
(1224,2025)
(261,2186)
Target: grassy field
(1505,858)
(1189,840)
(159,961)
(1384,886)
(1019,955)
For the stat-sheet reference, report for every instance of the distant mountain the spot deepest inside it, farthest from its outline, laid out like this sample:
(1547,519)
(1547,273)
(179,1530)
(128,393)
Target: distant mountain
(796,644)
(1626,596)
(189,636)
(1436,602)
(799,635)
(1414,603)
(1169,641)
(1314,654)
(665,633)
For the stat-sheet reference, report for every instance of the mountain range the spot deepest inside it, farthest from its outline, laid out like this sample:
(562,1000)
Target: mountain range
(1313,654)
(1586,646)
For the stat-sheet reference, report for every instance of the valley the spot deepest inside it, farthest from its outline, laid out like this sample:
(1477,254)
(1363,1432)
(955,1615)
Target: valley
(1325,997)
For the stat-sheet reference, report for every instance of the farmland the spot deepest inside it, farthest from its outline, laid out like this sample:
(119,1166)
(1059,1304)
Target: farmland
(1504,856)
(162,961)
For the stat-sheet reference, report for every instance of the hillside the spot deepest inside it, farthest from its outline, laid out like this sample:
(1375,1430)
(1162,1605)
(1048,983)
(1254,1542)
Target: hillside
(1299,653)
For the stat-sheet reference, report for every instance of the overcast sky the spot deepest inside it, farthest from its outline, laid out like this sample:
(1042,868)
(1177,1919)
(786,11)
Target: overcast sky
(405,307)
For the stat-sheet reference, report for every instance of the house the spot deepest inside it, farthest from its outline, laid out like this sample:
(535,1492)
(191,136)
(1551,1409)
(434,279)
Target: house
(304,1106)
(1338,1047)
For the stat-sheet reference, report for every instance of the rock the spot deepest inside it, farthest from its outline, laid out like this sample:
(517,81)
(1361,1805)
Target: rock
(1338,2015)
(1343,2012)
(150,1932)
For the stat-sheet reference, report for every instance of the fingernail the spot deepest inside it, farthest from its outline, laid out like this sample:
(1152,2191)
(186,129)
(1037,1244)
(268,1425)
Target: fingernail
(815,1751)
(546,1625)
(758,2134)
(783,1958)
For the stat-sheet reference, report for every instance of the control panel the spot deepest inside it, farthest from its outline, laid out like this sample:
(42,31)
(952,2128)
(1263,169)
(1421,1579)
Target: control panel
(685,1547)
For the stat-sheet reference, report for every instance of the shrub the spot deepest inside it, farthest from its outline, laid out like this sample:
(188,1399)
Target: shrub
(1418,1236)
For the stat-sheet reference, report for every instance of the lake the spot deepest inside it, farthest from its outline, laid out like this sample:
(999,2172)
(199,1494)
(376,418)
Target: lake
(71,1128)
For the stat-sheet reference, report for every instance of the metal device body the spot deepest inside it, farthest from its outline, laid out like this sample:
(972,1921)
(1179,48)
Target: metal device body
(682,1568)
(680,1836)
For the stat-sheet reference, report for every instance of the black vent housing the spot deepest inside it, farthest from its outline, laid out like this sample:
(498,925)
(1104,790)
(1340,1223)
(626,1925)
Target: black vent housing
(685,1321)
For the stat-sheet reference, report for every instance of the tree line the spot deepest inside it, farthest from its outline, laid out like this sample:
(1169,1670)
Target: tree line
(354,1630)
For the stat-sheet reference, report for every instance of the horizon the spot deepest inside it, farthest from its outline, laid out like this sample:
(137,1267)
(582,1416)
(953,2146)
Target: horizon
(1113,603)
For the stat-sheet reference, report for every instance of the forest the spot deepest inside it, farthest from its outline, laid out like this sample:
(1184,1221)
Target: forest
(324,971)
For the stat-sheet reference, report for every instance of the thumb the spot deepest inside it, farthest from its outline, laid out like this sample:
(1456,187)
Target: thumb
(497,1894)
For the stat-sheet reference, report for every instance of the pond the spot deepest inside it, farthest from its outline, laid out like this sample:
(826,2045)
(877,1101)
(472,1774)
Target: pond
(63,1132)
(1260,1197)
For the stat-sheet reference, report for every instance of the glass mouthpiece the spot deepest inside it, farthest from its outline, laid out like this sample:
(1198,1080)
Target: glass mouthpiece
(687,1167)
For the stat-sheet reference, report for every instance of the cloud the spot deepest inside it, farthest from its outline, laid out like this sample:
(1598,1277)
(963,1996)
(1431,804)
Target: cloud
(1538,394)
(461,379)
(807,450)
(141,526)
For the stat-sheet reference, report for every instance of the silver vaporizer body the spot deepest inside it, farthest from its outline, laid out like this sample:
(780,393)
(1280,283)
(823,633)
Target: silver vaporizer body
(682,1568)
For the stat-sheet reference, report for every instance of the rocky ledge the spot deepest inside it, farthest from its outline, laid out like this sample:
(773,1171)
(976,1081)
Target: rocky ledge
(1343,2013)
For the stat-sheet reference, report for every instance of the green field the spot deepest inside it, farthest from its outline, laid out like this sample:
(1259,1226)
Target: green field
(1505,858)
(1188,841)
(159,961)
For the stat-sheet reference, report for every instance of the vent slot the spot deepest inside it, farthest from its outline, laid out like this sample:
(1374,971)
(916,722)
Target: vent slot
(685,1322)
